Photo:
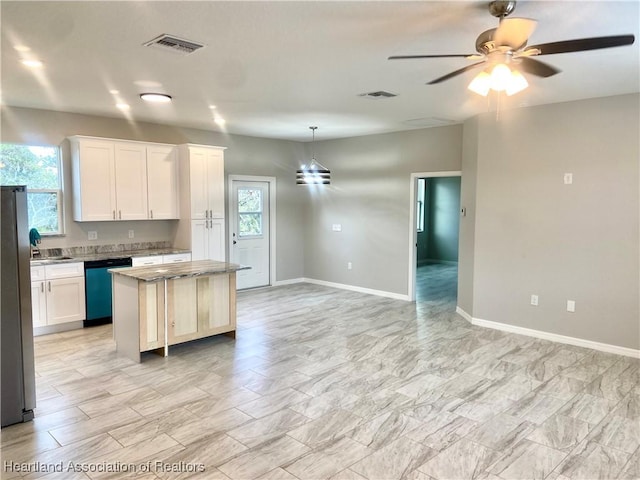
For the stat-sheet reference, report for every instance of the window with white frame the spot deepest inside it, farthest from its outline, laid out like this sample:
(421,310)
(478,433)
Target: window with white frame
(420,196)
(37,167)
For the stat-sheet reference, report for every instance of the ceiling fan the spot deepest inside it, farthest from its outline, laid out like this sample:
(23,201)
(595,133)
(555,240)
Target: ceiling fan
(503,49)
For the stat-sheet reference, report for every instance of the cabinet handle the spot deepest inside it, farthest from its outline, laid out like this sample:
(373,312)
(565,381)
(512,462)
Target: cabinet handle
(151,213)
(49,285)
(114,214)
(206,214)
(42,287)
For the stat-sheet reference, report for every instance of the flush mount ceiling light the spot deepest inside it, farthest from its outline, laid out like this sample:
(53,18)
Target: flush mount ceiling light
(156,97)
(313,173)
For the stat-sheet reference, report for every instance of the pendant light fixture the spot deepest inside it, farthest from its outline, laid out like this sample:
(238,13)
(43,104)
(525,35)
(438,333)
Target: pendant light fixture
(313,173)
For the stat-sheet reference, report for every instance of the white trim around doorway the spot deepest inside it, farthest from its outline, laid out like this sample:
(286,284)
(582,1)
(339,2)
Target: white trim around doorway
(272,216)
(413,238)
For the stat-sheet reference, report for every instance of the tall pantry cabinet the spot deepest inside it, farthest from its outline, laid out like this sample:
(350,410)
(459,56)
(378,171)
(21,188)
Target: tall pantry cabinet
(202,228)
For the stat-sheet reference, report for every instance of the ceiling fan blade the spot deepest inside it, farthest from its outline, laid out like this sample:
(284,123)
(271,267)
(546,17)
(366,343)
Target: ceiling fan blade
(514,32)
(582,44)
(536,67)
(454,73)
(404,57)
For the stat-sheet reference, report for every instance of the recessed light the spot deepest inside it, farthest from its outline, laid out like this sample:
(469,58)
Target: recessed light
(219,120)
(32,63)
(155,97)
(123,106)
(114,92)
(21,48)
(212,107)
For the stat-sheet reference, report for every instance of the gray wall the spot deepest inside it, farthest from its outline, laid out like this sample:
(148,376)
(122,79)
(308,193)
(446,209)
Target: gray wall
(244,156)
(535,235)
(369,196)
(442,219)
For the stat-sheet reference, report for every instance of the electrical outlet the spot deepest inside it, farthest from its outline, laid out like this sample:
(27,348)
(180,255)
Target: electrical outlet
(571,306)
(349,266)
(93,235)
(534,300)
(568,178)
(131,234)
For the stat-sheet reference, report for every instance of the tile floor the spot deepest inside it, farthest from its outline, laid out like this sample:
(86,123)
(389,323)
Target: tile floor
(323,383)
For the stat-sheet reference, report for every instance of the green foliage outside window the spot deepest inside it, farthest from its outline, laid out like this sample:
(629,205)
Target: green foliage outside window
(249,212)
(39,169)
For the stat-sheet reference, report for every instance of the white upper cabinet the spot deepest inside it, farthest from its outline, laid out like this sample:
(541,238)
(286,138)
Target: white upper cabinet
(131,181)
(120,180)
(94,176)
(205,169)
(162,181)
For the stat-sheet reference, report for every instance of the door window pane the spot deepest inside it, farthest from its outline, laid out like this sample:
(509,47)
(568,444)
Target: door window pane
(249,212)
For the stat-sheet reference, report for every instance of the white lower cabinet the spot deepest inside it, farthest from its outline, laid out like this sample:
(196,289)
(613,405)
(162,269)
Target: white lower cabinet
(57,294)
(207,240)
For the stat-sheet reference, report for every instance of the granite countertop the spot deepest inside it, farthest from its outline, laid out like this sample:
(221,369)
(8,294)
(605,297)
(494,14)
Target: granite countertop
(172,271)
(105,255)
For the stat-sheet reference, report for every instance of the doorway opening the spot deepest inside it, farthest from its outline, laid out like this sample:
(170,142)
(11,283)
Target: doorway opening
(252,221)
(434,237)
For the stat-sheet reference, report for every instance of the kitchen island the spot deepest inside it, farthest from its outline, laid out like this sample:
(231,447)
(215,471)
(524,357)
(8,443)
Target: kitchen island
(157,306)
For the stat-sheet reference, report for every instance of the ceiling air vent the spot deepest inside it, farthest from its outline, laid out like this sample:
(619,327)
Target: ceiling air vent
(378,95)
(174,44)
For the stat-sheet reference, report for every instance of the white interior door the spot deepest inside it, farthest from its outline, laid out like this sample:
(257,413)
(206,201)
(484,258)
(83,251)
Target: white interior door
(249,224)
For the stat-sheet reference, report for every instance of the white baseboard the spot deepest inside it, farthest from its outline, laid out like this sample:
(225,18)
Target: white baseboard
(343,286)
(60,327)
(553,337)
(290,281)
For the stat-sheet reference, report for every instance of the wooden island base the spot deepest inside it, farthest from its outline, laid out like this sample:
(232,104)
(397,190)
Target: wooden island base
(151,315)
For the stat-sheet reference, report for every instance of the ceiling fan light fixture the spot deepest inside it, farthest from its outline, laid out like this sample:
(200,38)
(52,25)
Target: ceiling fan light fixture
(500,77)
(517,83)
(481,84)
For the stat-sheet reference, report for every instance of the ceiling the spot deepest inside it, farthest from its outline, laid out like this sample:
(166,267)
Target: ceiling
(272,69)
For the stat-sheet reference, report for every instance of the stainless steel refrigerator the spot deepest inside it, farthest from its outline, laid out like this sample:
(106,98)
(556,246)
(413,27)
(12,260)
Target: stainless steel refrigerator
(18,390)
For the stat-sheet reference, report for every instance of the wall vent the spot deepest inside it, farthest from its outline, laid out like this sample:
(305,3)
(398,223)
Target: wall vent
(174,44)
(378,95)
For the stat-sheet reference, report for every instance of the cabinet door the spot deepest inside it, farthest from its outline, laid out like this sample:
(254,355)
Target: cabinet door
(215,174)
(216,305)
(131,181)
(94,178)
(162,182)
(38,304)
(199,183)
(183,310)
(65,300)
(216,239)
(151,308)
(199,240)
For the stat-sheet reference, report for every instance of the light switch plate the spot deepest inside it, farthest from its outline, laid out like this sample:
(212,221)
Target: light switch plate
(92,235)
(571,306)
(336,227)
(568,178)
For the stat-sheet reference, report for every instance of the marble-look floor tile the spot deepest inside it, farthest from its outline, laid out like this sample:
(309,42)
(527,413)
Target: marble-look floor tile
(347,474)
(528,460)
(596,461)
(394,461)
(587,408)
(264,458)
(272,403)
(462,460)
(500,432)
(631,471)
(560,432)
(536,407)
(619,433)
(277,474)
(94,426)
(326,429)
(200,428)
(255,432)
(148,427)
(442,430)
(384,429)
(329,460)
(317,406)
